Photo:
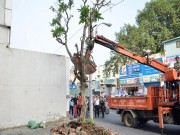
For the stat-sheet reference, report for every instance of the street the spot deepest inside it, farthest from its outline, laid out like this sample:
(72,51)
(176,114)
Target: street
(112,121)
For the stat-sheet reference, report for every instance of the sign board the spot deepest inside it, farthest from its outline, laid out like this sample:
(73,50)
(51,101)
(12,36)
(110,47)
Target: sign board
(123,70)
(130,81)
(122,81)
(151,78)
(134,69)
(147,70)
(73,87)
(146,79)
(170,61)
(154,78)
(110,81)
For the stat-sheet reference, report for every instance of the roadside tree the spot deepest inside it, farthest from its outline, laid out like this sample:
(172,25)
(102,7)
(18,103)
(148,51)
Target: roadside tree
(89,14)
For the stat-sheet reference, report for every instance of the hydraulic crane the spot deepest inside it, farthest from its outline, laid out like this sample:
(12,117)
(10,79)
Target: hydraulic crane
(164,106)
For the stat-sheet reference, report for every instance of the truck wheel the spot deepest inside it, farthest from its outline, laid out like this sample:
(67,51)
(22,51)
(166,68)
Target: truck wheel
(129,121)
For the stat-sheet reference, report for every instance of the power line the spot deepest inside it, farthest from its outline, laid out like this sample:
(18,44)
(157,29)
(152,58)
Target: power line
(75,33)
(113,6)
(69,39)
(57,49)
(82,27)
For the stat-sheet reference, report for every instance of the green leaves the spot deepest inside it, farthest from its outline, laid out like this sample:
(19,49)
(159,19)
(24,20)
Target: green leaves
(161,19)
(58,32)
(96,15)
(157,22)
(84,14)
(59,22)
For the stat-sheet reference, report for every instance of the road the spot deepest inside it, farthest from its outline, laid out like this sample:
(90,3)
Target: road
(112,121)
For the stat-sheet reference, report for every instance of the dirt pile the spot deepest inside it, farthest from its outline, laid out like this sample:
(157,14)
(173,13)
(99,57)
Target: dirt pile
(80,128)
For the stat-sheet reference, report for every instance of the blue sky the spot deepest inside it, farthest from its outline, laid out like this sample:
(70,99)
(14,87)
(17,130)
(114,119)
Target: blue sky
(31,29)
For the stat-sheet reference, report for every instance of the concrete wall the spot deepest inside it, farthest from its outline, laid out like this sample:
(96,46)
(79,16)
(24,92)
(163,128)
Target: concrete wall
(5,21)
(33,86)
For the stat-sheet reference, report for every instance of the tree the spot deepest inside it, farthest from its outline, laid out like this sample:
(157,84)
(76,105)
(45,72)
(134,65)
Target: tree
(161,19)
(81,59)
(157,22)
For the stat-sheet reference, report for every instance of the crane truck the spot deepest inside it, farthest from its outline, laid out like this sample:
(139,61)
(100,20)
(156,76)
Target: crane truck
(158,105)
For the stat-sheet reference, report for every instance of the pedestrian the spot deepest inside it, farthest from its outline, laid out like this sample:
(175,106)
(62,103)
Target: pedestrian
(94,97)
(102,106)
(75,99)
(87,107)
(96,106)
(71,110)
(79,104)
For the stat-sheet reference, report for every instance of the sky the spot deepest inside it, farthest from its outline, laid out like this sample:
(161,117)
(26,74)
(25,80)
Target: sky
(31,28)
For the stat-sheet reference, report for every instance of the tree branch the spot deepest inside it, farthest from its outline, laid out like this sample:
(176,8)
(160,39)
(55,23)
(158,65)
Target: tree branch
(84,2)
(66,31)
(60,41)
(101,3)
(77,49)
(67,21)
(83,40)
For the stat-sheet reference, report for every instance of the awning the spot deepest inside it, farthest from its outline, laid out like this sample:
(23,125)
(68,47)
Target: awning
(131,85)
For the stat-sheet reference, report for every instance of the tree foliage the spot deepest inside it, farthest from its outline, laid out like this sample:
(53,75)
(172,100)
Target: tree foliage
(157,22)
(161,19)
(60,28)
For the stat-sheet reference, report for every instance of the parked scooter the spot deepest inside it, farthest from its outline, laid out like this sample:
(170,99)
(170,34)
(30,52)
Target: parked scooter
(106,109)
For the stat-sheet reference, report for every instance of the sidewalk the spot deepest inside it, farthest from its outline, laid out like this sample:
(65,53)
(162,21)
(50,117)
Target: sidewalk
(27,131)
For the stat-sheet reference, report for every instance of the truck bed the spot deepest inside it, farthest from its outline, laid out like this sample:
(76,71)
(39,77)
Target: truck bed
(148,102)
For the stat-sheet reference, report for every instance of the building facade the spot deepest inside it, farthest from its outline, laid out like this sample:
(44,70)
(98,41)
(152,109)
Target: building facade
(172,50)
(5,22)
(137,77)
(140,77)
(172,47)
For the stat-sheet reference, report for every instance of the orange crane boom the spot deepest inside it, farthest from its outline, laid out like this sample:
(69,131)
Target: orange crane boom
(170,73)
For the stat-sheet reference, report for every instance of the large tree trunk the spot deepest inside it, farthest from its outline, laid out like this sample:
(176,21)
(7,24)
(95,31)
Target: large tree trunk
(83,110)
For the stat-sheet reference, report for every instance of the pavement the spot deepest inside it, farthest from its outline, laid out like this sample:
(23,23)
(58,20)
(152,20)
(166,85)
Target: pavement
(24,130)
(110,121)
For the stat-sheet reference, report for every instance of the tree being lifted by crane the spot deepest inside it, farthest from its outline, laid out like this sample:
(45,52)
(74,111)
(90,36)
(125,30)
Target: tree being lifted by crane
(83,64)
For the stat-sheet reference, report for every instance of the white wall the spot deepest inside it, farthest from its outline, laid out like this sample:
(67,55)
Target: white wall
(170,48)
(33,86)
(5,21)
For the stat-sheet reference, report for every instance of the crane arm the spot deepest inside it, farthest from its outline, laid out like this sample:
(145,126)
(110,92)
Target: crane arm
(171,74)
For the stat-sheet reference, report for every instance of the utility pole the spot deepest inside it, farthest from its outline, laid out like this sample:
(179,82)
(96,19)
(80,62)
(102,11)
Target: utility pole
(90,76)
(90,97)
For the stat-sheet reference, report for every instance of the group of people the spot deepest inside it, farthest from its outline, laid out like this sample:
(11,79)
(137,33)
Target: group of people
(76,105)
(99,105)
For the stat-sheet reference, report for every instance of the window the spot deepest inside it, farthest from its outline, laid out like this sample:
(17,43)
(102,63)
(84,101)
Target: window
(178,44)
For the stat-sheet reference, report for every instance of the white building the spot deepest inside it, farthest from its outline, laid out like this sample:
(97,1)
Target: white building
(5,21)
(33,85)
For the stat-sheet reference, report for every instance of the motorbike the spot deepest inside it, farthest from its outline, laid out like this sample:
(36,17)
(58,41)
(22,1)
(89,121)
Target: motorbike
(106,110)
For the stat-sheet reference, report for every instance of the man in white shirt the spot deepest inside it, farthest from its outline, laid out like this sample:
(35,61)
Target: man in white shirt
(96,106)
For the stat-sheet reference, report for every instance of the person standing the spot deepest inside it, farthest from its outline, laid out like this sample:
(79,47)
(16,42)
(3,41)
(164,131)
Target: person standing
(102,106)
(177,66)
(87,107)
(71,110)
(96,106)
(75,99)
(79,104)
